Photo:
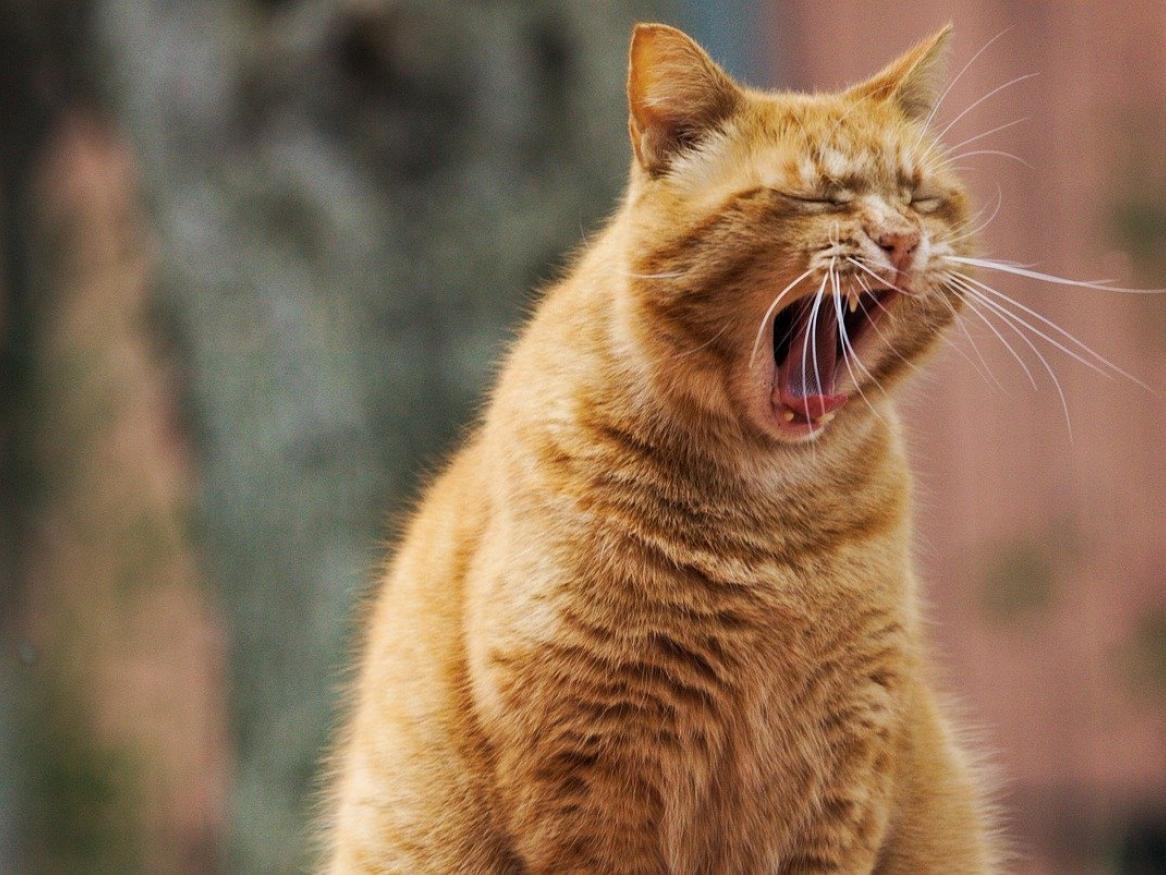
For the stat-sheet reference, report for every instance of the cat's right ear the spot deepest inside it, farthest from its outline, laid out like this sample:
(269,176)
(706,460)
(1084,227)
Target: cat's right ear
(676,93)
(914,80)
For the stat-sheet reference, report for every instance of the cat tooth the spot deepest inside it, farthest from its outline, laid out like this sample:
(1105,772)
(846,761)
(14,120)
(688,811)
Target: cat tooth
(853,302)
(787,415)
(825,418)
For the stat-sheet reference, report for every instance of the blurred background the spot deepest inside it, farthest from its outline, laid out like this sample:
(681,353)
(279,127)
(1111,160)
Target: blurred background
(256,260)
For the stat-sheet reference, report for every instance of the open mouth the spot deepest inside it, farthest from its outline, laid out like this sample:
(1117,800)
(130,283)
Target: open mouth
(809,363)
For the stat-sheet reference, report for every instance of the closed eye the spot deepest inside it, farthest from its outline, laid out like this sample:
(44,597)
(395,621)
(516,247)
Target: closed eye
(926,203)
(821,200)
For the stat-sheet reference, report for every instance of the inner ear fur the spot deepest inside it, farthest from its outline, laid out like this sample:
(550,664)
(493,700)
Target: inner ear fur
(676,93)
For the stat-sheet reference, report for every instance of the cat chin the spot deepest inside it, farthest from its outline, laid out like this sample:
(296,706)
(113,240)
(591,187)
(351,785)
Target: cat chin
(794,426)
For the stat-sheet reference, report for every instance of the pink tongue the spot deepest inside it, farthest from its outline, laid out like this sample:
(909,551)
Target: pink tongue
(808,388)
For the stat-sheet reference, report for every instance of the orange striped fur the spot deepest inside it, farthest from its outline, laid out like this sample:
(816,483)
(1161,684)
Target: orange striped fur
(637,625)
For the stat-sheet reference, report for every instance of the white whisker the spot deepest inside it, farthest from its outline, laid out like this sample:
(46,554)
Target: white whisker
(1007,318)
(813,347)
(999,309)
(870,322)
(975,346)
(837,296)
(994,91)
(951,84)
(996,209)
(701,346)
(998,152)
(988,377)
(1055,327)
(769,313)
(976,310)
(994,130)
(858,263)
(1004,267)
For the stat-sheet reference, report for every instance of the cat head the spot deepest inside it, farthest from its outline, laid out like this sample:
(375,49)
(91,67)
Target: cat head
(786,252)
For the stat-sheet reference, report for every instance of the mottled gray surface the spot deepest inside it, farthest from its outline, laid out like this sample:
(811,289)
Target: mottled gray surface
(354,201)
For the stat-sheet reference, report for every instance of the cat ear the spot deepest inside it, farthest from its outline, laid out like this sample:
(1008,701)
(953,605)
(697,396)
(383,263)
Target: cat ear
(676,93)
(913,80)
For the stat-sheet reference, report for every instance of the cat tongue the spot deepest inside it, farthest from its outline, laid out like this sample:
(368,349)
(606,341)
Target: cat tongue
(805,380)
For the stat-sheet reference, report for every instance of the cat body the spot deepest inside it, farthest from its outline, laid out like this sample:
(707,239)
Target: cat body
(658,614)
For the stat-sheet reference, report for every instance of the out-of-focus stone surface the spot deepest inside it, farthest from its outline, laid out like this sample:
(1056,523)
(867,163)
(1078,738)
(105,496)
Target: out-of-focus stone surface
(354,202)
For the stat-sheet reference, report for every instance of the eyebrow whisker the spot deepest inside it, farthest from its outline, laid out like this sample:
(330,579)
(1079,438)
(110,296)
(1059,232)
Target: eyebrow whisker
(991,93)
(994,130)
(956,78)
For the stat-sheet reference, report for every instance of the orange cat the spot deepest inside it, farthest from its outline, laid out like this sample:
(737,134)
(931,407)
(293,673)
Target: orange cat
(658,614)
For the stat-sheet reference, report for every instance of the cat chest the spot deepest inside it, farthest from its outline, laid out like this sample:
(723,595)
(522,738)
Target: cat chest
(801,731)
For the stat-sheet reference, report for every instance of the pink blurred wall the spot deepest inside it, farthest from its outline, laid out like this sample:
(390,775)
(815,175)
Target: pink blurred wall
(1063,687)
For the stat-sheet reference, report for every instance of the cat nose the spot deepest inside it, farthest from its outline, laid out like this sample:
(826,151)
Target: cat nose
(900,246)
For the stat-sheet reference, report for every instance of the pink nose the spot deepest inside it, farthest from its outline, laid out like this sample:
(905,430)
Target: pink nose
(900,247)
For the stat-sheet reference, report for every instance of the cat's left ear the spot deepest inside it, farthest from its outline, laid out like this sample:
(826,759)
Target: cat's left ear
(676,94)
(913,81)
